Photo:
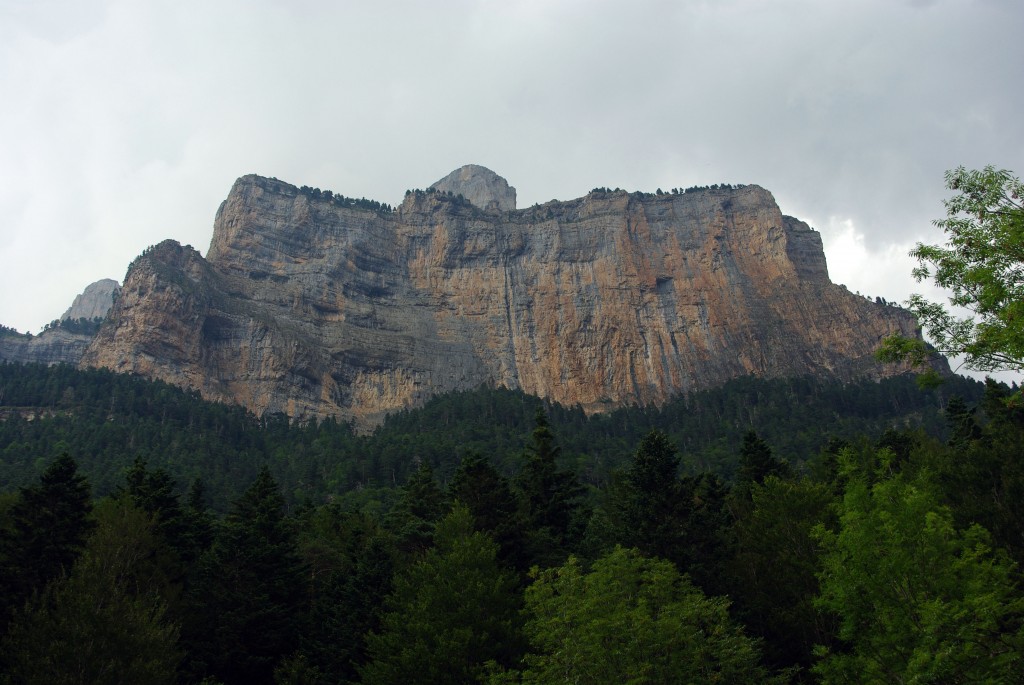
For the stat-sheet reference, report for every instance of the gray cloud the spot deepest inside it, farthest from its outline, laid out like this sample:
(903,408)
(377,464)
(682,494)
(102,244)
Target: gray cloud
(125,123)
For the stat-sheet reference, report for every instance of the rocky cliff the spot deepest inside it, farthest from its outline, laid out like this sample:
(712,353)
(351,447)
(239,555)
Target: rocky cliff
(480,186)
(314,307)
(94,302)
(65,341)
(52,346)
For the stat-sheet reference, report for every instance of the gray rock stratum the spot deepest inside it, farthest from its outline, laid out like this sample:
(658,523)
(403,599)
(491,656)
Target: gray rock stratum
(481,186)
(312,306)
(67,342)
(94,302)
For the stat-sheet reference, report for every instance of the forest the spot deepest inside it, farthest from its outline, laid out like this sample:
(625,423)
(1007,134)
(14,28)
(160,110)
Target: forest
(731,536)
(768,531)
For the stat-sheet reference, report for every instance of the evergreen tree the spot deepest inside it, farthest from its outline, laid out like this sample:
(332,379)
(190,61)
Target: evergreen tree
(106,622)
(773,574)
(250,595)
(549,500)
(488,496)
(49,524)
(449,614)
(757,462)
(421,504)
(153,491)
(350,561)
(982,473)
(647,509)
(962,423)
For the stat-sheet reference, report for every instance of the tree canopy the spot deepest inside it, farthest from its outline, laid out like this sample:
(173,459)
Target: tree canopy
(982,265)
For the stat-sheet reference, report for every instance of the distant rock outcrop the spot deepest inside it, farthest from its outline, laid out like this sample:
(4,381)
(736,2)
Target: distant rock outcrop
(52,346)
(313,309)
(64,341)
(481,186)
(94,302)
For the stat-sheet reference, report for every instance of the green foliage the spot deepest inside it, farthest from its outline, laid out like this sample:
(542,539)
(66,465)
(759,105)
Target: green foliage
(421,504)
(105,622)
(449,614)
(49,524)
(350,561)
(918,599)
(80,326)
(107,420)
(757,462)
(773,575)
(982,265)
(488,496)
(549,500)
(646,508)
(250,595)
(630,619)
(981,473)
(651,508)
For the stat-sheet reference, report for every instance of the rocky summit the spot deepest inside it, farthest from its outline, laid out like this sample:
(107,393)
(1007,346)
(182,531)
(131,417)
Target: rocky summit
(94,302)
(314,305)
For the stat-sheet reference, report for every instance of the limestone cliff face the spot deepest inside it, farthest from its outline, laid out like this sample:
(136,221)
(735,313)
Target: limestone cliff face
(94,302)
(52,346)
(480,186)
(312,308)
(66,343)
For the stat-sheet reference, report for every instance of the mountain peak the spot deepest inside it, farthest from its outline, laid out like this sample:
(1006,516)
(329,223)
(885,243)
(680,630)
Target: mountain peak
(94,302)
(481,186)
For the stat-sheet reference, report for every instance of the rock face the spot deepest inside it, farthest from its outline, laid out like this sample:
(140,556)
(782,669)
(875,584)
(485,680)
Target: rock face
(94,302)
(66,343)
(481,186)
(311,307)
(52,346)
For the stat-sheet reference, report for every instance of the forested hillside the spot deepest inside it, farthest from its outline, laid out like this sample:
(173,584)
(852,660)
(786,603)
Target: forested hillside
(106,420)
(786,531)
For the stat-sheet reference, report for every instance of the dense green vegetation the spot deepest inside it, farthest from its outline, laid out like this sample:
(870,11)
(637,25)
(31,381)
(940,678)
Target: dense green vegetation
(106,420)
(767,531)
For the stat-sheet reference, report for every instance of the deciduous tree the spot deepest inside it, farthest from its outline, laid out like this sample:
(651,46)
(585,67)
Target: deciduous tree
(982,265)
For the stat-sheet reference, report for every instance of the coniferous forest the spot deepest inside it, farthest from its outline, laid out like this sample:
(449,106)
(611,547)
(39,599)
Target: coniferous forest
(767,531)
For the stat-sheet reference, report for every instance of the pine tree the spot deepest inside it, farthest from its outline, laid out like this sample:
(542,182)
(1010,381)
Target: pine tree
(449,614)
(249,599)
(49,526)
(106,622)
(413,517)
(549,500)
(646,509)
(488,496)
(757,462)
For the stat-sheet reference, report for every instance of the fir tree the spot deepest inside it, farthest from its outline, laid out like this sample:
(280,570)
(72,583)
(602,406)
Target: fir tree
(249,598)
(549,499)
(49,526)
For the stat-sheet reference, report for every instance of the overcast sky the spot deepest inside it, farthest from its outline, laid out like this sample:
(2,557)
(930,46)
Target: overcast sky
(125,123)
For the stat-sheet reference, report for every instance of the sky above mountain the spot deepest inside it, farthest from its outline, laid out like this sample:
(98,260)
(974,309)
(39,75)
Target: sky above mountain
(124,123)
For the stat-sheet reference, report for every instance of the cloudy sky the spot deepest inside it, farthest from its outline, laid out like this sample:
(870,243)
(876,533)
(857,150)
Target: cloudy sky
(124,123)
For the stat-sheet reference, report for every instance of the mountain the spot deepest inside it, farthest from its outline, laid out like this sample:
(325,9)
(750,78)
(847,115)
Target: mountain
(65,340)
(313,304)
(94,302)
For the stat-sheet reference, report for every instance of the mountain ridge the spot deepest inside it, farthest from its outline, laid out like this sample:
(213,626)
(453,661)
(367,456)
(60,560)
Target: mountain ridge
(314,307)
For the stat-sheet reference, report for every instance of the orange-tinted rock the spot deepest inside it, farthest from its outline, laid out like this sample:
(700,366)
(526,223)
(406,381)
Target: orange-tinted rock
(315,308)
